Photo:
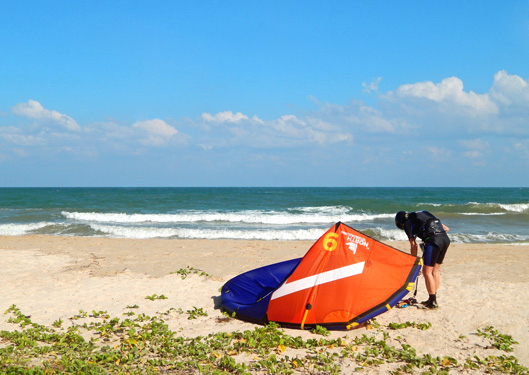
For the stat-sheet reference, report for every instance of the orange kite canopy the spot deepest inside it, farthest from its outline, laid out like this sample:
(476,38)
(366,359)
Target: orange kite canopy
(344,279)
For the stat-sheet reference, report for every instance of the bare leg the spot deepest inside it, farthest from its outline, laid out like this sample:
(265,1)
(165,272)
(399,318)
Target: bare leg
(428,272)
(437,277)
(432,277)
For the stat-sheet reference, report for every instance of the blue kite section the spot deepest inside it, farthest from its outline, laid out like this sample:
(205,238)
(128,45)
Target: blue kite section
(249,293)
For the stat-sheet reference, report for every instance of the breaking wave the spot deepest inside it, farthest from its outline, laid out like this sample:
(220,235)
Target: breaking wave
(248,217)
(474,214)
(498,208)
(241,233)
(211,234)
(21,229)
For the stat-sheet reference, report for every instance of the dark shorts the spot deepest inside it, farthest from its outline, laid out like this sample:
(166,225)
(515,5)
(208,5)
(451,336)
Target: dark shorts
(435,250)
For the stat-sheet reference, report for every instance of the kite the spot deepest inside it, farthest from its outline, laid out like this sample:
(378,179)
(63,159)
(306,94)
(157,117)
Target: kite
(345,279)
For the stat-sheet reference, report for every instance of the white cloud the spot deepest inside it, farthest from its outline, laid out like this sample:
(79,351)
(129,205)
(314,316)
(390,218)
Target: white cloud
(227,116)
(373,86)
(17,137)
(441,120)
(157,131)
(475,148)
(289,128)
(510,90)
(475,144)
(358,118)
(446,110)
(448,95)
(35,110)
(439,153)
(92,140)
(321,124)
(372,118)
(287,131)
(473,154)
(521,147)
(157,127)
(314,100)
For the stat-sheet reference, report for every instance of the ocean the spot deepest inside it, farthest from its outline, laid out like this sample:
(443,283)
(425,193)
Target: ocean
(474,215)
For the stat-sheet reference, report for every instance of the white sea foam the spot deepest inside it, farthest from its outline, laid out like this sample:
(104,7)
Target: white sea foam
(517,207)
(514,207)
(138,231)
(488,237)
(327,210)
(21,229)
(248,217)
(135,232)
(151,232)
(390,234)
(482,214)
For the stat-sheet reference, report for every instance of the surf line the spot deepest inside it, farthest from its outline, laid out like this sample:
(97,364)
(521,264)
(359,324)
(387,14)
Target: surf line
(321,278)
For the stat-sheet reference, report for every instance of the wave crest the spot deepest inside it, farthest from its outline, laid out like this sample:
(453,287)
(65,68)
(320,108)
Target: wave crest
(246,217)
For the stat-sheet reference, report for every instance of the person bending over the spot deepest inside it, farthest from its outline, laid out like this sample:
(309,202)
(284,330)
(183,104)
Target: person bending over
(427,227)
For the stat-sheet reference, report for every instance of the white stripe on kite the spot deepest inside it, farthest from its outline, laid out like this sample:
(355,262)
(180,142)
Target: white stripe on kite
(322,278)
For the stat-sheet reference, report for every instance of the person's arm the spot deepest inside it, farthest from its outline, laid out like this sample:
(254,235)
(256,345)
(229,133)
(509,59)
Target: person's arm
(413,248)
(445,228)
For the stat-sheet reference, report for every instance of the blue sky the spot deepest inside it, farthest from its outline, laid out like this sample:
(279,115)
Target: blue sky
(264,93)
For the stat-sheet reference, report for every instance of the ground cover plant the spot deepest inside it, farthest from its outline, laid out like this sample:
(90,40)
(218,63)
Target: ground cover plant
(98,343)
(185,272)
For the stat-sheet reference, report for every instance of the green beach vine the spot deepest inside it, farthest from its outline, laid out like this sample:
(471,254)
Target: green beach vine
(101,344)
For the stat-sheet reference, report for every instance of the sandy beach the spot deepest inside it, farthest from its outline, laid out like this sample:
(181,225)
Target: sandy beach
(51,278)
